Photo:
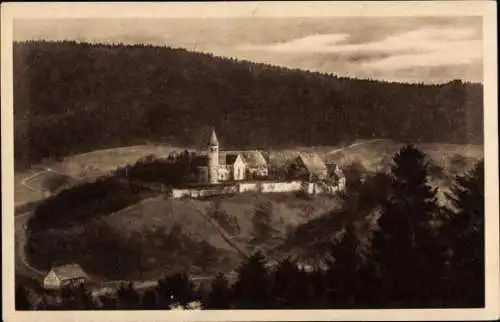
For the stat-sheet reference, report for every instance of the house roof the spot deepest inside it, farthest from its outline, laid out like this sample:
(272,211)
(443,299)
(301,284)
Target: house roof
(253,158)
(312,162)
(231,158)
(225,158)
(69,271)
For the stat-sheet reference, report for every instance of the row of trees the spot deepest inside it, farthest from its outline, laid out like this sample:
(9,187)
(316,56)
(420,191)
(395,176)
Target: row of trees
(175,170)
(421,255)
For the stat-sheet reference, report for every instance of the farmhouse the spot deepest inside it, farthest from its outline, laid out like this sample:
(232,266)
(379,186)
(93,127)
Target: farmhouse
(308,166)
(256,164)
(219,166)
(65,276)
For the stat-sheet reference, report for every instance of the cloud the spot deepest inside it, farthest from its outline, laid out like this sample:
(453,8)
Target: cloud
(428,49)
(420,47)
(309,44)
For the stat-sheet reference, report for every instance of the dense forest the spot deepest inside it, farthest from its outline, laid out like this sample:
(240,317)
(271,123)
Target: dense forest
(75,97)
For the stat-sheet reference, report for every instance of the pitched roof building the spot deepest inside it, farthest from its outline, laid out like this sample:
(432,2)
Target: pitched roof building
(312,165)
(66,275)
(215,166)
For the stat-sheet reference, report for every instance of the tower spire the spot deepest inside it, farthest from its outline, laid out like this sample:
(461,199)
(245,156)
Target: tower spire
(213,138)
(213,159)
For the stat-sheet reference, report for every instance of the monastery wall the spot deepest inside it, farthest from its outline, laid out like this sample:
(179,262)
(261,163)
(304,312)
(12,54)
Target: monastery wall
(261,187)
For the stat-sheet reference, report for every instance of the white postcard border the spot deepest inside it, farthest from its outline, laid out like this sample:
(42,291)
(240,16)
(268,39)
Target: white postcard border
(486,9)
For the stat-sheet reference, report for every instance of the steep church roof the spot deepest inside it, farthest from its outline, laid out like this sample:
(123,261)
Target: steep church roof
(213,139)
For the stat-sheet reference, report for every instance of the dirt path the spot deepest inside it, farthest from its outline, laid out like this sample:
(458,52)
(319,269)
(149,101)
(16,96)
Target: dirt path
(24,182)
(355,145)
(43,169)
(21,263)
(234,244)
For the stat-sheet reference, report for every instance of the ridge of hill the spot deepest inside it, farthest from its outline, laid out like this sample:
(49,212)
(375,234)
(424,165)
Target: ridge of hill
(74,97)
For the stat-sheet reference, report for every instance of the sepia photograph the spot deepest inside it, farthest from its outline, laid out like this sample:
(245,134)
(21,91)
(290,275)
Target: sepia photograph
(191,160)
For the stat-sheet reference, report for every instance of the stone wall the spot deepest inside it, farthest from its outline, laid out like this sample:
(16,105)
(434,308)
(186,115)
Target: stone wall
(281,186)
(203,192)
(261,187)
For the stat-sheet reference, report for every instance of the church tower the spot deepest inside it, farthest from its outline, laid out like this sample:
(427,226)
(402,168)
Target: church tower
(213,159)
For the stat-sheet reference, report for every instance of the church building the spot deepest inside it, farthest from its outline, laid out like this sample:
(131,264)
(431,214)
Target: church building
(216,166)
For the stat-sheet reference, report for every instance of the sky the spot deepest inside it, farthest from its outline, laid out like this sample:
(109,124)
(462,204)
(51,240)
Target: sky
(403,49)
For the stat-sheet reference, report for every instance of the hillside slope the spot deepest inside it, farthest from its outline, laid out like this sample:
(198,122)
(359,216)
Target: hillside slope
(159,235)
(71,98)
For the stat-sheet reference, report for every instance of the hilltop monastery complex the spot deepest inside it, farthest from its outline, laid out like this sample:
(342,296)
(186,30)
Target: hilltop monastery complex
(238,171)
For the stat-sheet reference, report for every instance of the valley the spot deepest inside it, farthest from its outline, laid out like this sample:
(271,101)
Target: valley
(174,235)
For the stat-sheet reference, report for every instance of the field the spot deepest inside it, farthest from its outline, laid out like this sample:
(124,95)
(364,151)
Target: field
(83,166)
(102,161)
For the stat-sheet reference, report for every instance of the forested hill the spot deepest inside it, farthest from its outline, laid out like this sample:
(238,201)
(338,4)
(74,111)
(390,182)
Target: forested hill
(72,97)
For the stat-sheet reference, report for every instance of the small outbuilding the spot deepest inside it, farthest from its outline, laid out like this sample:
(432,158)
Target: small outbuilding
(308,166)
(65,276)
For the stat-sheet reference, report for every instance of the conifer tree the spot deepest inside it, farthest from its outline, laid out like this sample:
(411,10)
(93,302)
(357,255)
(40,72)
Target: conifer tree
(465,235)
(252,289)
(220,295)
(342,277)
(403,247)
(317,294)
(288,285)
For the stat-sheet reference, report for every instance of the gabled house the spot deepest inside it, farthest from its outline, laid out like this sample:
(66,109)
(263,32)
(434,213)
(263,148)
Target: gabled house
(60,277)
(256,164)
(308,166)
(236,166)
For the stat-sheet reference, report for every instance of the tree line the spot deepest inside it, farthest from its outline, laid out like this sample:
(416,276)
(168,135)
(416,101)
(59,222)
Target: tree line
(421,255)
(175,170)
(75,97)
